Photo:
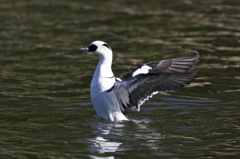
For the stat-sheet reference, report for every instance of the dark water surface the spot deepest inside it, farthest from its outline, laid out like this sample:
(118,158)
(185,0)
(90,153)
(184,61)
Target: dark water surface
(45,107)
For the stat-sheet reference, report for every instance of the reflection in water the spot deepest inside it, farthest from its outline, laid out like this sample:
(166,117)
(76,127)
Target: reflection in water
(97,157)
(122,136)
(112,137)
(102,145)
(99,143)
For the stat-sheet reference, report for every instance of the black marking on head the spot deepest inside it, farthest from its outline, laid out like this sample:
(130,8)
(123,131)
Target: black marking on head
(92,48)
(107,46)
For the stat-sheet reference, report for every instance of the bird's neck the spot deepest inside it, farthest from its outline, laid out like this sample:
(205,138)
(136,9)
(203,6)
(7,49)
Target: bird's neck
(104,67)
(103,75)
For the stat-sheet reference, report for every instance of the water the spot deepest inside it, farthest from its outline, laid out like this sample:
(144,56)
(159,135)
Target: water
(45,105)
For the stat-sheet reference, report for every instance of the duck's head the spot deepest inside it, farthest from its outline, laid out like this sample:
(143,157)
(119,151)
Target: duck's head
(98,47)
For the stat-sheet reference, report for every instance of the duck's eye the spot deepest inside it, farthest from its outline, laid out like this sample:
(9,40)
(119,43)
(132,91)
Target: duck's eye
(107,46)
(92,48)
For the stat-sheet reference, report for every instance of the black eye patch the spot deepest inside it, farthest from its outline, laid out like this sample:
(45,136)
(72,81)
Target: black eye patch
(92,48)
(107,46)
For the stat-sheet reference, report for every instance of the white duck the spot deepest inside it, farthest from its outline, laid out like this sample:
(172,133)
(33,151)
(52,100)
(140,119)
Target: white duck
(112,97)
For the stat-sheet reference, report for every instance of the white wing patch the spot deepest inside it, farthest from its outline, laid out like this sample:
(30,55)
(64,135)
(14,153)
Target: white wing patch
(118,79)
(142,70)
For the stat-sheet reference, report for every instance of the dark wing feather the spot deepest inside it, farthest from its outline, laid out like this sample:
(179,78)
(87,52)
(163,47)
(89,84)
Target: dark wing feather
(175,65)
(134,91)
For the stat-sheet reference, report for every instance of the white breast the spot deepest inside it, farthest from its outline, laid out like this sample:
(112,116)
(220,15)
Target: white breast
(106,104)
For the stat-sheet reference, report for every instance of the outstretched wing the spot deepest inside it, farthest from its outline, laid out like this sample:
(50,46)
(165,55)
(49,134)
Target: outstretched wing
(134,91)
(175,65)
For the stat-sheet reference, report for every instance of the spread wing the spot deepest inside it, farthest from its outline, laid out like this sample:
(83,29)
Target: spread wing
(137,86)
(134,91)
(175,65)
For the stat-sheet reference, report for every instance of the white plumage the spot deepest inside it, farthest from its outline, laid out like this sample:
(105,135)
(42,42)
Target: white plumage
(113,97)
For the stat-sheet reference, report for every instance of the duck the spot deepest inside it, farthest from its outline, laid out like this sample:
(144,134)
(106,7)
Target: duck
(114,97)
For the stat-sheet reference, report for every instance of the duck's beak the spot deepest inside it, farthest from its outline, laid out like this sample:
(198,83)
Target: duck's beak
(84,49)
